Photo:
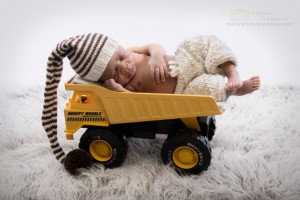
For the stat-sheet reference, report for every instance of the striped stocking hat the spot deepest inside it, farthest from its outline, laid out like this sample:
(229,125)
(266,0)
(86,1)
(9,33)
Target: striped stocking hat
(88,55)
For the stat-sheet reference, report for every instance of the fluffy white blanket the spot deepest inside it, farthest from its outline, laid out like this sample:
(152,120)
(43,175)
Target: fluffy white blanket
(256,154)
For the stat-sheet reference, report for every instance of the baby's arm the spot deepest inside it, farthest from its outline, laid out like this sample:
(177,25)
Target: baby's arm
(158,67)
(113,85)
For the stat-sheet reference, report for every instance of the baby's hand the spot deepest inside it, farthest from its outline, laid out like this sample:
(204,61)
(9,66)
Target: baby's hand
(158,68)
(113,85)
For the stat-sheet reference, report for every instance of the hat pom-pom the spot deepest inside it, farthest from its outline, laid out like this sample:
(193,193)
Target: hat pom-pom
(76,159)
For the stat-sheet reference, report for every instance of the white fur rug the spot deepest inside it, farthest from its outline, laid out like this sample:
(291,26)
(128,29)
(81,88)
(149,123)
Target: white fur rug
(256,154)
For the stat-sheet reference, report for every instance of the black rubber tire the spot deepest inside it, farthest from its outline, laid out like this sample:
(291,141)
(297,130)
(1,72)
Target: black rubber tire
(211,127)
(117,143)
(198,143)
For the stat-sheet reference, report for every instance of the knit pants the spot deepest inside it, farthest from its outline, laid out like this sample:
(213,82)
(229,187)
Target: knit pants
(207,84)
(196,66)
(196,78)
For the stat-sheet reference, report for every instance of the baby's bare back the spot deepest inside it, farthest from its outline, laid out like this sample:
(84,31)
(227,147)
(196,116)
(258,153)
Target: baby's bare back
(142,81)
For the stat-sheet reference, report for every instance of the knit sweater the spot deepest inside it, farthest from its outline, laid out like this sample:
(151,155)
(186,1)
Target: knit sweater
(200,57)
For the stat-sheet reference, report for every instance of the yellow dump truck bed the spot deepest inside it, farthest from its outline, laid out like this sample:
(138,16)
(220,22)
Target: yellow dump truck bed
(126,107)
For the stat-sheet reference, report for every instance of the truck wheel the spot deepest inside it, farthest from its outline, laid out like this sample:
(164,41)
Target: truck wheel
(211,128)
(187,153)
(104,146)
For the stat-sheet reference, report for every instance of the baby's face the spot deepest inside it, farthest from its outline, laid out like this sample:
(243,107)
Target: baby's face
(121,67)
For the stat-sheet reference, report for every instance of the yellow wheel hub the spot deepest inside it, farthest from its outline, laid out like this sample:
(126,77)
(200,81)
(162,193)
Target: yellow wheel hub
(185,157)
(101,150)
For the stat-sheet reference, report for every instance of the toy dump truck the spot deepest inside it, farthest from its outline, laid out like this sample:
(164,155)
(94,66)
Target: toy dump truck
(110,117)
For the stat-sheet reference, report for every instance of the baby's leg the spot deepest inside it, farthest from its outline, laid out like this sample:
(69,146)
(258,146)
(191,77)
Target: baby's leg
(250,85)
(208,84)
(234,79)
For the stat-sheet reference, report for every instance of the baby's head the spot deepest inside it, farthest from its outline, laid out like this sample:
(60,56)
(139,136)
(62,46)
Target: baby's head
(121,67)
(96,57)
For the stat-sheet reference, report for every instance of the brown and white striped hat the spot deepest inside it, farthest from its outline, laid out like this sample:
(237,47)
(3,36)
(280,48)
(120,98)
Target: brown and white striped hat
(88,55)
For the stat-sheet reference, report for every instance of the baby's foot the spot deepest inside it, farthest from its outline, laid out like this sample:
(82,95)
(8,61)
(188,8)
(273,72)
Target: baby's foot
(234,82)
(249,86)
